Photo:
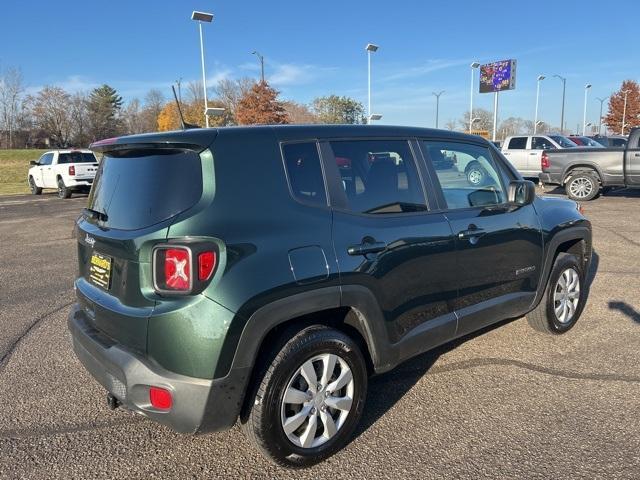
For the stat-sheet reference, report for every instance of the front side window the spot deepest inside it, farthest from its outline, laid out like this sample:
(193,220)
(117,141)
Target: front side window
(541,143)
(304,172)
(476,182)
(517,143)
(379,176)
(46,159)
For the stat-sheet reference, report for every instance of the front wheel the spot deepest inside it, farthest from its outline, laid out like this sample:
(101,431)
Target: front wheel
(35,190)
(63,191)
(564,297)
(309,399)
(583,186)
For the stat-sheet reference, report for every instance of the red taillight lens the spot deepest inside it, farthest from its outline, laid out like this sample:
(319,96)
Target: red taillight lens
(177,269)
(160,398)
(206,265)
(544,160)
(72,170)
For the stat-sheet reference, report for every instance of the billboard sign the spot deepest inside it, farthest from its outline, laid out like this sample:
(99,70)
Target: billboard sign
(498,76)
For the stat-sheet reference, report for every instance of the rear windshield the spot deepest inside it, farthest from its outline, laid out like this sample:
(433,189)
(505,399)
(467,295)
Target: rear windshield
(136,189)
(77,157)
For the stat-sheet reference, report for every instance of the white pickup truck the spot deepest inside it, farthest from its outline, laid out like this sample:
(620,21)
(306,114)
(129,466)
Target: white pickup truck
(525,151)
(66,170)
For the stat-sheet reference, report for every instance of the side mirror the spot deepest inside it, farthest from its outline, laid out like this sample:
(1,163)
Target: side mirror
(521,192)
(33,162)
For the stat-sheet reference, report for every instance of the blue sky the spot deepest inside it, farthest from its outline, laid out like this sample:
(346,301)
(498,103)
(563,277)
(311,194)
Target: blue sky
(317,48)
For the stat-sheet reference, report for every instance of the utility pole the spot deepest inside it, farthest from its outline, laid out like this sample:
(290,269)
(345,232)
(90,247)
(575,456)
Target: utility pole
(179,83)
(261,58)
(437,95)
(564,89)
(601,100)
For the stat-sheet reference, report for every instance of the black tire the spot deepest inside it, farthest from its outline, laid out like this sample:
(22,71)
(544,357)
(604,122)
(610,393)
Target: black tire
(544,318)
(262,421)
(476,175)
(35,190)
(588,180)
(63,191)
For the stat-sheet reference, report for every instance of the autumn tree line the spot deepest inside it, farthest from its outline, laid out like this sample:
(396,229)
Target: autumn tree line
(57,118)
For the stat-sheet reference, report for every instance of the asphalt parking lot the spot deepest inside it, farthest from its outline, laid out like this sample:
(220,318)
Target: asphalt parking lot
(507,403)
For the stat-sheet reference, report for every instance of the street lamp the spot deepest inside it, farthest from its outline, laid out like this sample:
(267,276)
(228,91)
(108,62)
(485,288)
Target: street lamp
(201,17)
(473,66)
(437,95)
(601,100)
(535,119)
(374,116)
(564,88)
(584,112)
(624,111)
(261,58)
(370,48)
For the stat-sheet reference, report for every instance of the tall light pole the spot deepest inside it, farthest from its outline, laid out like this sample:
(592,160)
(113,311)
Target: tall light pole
(437,95)
(261,58)
(370,48)
(535,119)
(473,66)
(564,89)
(584,112)
(201,17)
(601,100)
(624,111)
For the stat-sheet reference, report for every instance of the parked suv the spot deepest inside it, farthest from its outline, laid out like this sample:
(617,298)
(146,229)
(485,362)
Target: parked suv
(525,151)
(263,273)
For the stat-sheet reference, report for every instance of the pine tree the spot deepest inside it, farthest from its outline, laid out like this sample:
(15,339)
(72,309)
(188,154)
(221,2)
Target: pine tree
(103,109)
(260,105)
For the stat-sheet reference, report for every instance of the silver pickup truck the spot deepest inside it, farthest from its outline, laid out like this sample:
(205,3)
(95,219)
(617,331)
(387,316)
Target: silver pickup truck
(585,172)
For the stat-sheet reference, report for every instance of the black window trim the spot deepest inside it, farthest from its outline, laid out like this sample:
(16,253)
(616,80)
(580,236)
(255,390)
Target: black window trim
(315,141)
(337,196)
(498,162)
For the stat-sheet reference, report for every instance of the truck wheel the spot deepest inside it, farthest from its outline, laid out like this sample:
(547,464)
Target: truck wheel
(35,190)
(582,186)
(63,192)
(564,297)
(475,174)
(309,398)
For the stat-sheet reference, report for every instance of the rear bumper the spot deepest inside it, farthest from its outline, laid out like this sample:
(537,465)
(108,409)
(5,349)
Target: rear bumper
(199,405)
(549,178)
(79,183)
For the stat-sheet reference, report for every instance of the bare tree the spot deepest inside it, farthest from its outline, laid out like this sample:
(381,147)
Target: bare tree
(51,111)
(11,90)
(451,125)
(154,100)
(132,117)
(484,120)
(299,113)
(79,119)
(229,92)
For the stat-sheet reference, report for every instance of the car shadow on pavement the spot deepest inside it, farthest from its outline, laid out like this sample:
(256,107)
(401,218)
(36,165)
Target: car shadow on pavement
(625,308)
(618,192)
(387,389)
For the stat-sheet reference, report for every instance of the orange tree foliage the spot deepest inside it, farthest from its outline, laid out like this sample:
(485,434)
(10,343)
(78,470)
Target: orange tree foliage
(260,105)
(613,119)
(169,118)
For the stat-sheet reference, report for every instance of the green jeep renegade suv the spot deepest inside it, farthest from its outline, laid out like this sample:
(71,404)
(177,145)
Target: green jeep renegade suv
(263,273)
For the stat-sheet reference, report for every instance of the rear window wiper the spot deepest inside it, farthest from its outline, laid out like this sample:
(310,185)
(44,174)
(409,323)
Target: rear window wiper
(91,213)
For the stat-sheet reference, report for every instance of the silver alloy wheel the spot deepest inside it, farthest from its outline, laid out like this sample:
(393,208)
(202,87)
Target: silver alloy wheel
(566,295)
(475,177)
(317,400)
(581,187)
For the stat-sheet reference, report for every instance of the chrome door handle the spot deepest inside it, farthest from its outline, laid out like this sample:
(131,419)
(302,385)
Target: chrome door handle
(472,233)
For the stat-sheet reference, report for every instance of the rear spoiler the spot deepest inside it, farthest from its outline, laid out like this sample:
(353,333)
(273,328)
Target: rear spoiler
(197,140)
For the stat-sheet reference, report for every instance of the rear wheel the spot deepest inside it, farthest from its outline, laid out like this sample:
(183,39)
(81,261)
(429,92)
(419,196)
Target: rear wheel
(475,174)
(309,399)
(564,297)
(35,190)
(582,186)
(63,191)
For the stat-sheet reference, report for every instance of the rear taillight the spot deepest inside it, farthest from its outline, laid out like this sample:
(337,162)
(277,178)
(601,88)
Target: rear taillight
(544,161)
(72,170)
(183,269)
(160,398)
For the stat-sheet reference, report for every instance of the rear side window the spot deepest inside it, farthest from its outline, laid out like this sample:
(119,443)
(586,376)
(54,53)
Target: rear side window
(76,157)
(139,188)
(517,143)
(304,172)
(379,176)
(476,180)
(541,143)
